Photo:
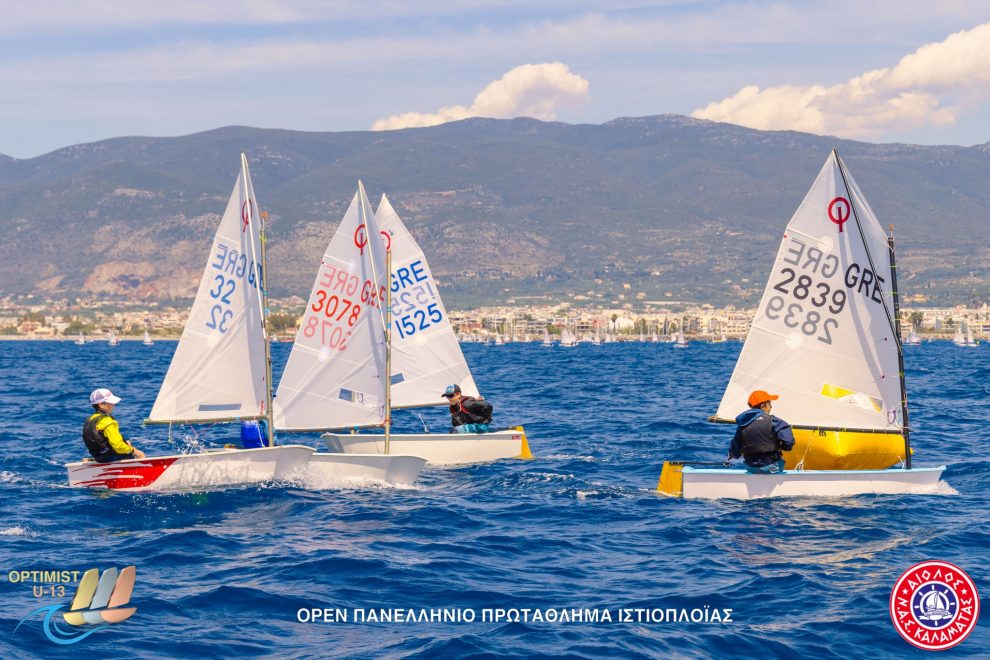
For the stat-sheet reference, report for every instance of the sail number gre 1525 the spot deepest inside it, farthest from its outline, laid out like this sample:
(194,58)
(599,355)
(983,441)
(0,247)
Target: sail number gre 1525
(414,301)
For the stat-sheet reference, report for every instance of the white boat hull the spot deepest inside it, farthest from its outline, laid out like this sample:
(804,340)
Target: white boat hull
(436,448)
(348,470)
(184,472)
(703,483)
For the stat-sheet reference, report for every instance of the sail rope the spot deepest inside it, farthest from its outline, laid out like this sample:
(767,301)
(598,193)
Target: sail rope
(426,429)
(800,464)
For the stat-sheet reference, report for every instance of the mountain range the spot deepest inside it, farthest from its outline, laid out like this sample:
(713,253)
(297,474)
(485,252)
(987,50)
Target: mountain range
(661,208)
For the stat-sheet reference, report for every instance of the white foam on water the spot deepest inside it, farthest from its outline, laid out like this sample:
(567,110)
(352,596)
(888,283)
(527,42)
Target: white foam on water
(13,531)
(942,488)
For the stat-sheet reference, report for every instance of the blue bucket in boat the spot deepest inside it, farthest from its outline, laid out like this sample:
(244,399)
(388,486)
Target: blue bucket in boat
(251,435)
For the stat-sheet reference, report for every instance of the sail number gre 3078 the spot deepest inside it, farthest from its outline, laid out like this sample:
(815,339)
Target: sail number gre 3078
(338,300)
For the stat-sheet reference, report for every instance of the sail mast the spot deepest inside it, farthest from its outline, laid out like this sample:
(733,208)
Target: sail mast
(263,300)
(388,348)
(270,415)
(905,432)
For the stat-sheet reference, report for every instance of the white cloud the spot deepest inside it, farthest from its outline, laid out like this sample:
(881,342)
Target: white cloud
(530,90)
(930,87)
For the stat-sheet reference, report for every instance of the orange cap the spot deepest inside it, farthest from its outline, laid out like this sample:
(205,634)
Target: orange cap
(759,397)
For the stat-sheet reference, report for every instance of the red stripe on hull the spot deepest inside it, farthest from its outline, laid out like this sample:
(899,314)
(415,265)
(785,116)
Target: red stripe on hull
(130,475)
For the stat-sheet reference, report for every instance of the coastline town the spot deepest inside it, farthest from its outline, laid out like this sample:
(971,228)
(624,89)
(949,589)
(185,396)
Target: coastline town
(31,317)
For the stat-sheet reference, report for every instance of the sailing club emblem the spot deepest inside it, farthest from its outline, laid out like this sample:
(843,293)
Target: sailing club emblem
(839,210)
(247,209)
(360,239)
(934,605)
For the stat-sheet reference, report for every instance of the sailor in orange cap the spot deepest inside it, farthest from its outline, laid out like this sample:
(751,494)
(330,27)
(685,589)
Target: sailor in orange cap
(760,436)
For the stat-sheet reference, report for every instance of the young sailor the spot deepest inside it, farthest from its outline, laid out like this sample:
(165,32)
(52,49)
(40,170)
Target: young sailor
(101,433)
(467,414)
(760,436)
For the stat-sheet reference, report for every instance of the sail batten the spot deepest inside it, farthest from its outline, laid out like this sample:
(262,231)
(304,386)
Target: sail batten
(823,337)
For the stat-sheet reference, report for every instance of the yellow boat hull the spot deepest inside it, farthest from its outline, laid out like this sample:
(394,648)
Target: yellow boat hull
(844,450)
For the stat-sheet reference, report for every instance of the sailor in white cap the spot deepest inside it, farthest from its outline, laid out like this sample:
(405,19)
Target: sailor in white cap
(101,433)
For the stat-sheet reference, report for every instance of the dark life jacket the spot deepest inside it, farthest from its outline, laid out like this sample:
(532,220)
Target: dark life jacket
(96,441)
(758,437)
(470,410)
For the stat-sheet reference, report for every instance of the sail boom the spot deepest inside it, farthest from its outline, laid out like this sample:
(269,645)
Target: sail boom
(810,427)
(413,406)
(338,429)
(212,420)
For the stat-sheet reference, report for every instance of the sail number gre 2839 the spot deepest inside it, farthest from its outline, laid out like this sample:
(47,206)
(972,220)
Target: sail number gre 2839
(806,297)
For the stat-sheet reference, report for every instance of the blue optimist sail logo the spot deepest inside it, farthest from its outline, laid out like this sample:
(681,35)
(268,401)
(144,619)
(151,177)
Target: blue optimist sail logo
(100,600)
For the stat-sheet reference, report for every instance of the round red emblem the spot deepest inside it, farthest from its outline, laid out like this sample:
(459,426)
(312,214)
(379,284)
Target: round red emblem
(934,605)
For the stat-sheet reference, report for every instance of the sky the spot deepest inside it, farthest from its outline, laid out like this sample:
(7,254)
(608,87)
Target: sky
(75,71)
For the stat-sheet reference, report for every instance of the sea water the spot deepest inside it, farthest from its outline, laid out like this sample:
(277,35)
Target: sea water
(579,528)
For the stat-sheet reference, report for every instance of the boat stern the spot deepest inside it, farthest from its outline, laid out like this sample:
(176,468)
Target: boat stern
(524,452)
(671,479)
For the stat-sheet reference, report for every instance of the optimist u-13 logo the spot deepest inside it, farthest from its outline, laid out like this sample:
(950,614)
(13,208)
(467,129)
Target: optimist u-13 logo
(100,600)
(934,605)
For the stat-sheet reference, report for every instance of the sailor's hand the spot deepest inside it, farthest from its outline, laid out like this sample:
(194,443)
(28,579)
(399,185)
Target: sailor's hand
(138,453)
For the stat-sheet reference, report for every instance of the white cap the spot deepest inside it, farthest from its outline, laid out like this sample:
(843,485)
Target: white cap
(103,395)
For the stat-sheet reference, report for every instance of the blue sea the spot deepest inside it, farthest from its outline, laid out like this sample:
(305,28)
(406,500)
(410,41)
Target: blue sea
(225,573)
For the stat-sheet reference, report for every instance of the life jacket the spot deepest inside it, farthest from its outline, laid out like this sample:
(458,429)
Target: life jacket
(758,437)
(96,441)
(470,410)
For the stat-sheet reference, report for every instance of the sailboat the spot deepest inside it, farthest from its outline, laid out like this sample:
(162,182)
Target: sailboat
(498,339)
(825,339)
(959,339)
(336,375)
(546,339)
(969,337)
(147,339)
(112,339)
(220,372)
(680,341)
(425,358)
(912,339)
(80,341)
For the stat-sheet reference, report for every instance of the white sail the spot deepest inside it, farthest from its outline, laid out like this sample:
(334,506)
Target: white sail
(334,377)
(218,370)
(823,337)
(426,356)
